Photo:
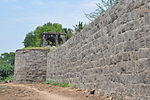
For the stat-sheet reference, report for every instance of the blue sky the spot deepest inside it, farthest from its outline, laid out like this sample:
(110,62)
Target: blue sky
(18,17)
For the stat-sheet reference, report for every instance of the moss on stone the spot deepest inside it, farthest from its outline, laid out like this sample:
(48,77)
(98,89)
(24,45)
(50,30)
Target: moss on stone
(40,48)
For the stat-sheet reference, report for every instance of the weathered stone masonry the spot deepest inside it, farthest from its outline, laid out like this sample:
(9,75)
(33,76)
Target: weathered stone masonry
(30,66)
(110,55)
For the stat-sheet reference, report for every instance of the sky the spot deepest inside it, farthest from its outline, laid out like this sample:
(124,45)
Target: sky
(19,17)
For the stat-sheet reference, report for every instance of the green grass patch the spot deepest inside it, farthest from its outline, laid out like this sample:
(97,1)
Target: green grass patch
(40,48)
(55,83)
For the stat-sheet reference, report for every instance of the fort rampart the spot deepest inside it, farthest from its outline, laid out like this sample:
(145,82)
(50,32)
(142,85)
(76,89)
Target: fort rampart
(111,55)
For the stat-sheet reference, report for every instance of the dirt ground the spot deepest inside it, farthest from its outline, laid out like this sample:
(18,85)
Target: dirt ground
(10,91)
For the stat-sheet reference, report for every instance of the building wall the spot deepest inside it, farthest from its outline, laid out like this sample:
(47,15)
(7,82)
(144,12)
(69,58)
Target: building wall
(110,55)
(30,66)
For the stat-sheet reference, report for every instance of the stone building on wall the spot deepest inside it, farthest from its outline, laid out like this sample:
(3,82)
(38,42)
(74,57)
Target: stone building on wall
(53,38)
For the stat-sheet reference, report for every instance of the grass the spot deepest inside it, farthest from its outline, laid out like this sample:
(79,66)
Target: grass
(55,83)
(61,84)
(6,78)
(40,48)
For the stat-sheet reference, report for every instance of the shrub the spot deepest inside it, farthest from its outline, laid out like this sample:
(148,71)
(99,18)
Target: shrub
(4,79)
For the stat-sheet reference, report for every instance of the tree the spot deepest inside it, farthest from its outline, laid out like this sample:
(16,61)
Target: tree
(8,58)
(102,7)
(69,33)
(78,27)
(49,27)
(29,40)
(34,39)
(5,69)
(6,65)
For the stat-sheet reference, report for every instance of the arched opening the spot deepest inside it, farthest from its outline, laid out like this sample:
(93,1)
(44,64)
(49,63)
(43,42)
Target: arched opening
(60,41)
(51,41)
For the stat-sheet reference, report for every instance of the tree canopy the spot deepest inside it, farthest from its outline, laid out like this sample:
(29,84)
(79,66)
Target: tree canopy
(6,69)
(6,65)
(34,39)
(69,32)
(49,27)
(29,40)
(8,58)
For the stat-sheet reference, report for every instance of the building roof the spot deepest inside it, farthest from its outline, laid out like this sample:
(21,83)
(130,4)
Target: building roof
(61,33)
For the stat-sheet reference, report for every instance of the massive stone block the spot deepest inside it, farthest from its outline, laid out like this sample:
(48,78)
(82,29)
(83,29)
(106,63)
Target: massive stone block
(30,66)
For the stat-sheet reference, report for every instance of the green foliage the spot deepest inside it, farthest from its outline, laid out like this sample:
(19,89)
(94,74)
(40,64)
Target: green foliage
(6,66)
(102,7)
(78,27)
(5,69)
(41,48)
(34,39)
(4,79)
(8,57)
(69,32)
(49,27)
(55,83)
(29,40)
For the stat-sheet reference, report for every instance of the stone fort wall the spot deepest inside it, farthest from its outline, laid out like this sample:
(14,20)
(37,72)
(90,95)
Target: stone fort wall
(110,55)
(30,66)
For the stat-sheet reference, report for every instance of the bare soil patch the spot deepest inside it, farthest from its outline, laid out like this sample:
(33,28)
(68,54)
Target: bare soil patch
(39,91)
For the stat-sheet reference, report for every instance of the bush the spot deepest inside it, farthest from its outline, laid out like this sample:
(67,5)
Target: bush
(4,79)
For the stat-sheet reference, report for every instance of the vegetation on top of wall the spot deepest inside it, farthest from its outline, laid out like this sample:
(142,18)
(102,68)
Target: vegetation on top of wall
(49,48)
(102,7)
(78,27)
(69,32)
